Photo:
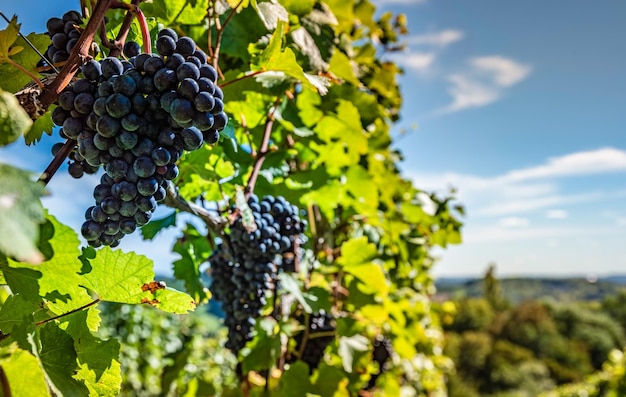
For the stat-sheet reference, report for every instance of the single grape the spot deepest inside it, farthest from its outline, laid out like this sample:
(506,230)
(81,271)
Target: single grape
(192,138)
(144,167)
(185,46)
(131,49)
(165,45)
(111,66)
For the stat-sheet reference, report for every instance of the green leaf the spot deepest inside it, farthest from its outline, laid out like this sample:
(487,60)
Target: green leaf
(183,12)
(271,13)
(295,382)
(14,121)
(16,318)
(97,358)
(16,364)
(8,37)
(42,125)
(276,60)
(298,7)
(331,381)
(193,249)
(152,228)
(13,79)
(351,350)
(21,213)
(58,358)
(129,278)
(263,350)
(289,284)
(357,251)
(340,65)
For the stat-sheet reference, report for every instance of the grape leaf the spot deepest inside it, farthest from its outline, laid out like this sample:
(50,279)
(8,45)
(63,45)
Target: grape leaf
(97,358)
(14,79)
(14,121)
(16,319)
(42,125)
(264,348)
(21,213)
(271,13)
(150,230)
(295,382)
(298,7)
(16,363)
(274,59)
(340,65)
(57,280)
(351,349)
(182,12)
(192,248)
(58,358)
(129,278)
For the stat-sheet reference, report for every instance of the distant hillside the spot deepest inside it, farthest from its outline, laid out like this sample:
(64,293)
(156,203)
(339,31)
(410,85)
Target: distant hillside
(520,289)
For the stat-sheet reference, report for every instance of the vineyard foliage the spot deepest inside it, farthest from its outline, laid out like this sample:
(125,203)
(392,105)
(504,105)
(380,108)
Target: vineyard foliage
(311,100)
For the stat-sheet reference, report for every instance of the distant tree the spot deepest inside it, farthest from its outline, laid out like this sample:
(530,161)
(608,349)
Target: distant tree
(492,290)
(473,314)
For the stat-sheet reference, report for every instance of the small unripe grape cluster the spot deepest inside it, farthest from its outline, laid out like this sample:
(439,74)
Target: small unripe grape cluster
(248,268)
(131,118)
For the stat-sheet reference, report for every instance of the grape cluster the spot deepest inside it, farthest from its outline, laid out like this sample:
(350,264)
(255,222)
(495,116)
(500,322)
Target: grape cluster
(383,350)
(243,273)
(135,118)
(321,328)
(64,33)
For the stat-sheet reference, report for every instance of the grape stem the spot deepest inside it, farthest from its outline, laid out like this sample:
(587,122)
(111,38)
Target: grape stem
(123,33)
(57,160)
(265,141)
(247,76)
(214,223)
(78,54)
(220,27)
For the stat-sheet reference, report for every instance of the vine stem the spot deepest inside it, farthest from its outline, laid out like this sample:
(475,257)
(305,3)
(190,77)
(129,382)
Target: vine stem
(214,223)
(247,76)
(94,24)
(79,52)
(78,309)
(220,32)
(265,141)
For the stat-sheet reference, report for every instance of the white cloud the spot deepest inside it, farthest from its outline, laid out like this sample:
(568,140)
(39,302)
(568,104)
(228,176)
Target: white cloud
(493,234)
(505,72)
(419,62)
(514,222)
(530,189)
(588,162)
(483,83)
(438,39)
(557,214)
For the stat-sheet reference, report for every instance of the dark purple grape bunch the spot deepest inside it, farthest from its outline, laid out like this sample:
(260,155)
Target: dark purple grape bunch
(187,85)
(244,271)
(321,328)
(278,223)
(64,33)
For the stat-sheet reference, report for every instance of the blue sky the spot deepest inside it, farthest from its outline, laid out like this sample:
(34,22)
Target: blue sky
(518,105)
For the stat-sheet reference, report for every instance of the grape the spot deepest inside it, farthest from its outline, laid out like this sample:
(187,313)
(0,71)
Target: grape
(111,66)
(209,72)
(76,170)
(174,61)
(83,102)
(211,136)
(91,230)
(144,167)
(192,138)
(126,140)
(161,156)
(124,190)
(187,70)
(72,16)
(131,49)
(54,25)
(116,169)
(124,84)
(165,45)
(108,126)
(188,88)
(118,105)
(204,102)
(185,46)
(182,110)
